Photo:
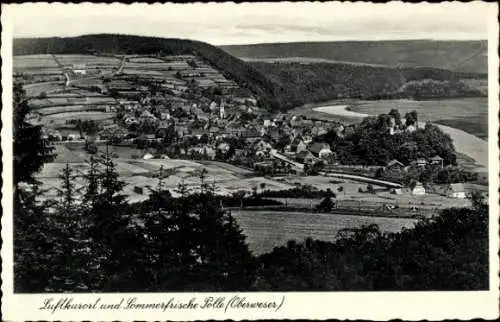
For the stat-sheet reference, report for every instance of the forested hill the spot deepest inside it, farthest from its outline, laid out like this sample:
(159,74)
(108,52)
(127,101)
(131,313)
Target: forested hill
(462,56)
(244,74)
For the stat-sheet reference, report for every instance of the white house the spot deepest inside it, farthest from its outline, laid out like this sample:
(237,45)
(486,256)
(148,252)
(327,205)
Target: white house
(321,150)
(418,189)
(148,156)
(456,190)
(411,128)
(79,69)
(223,147)
(73,136)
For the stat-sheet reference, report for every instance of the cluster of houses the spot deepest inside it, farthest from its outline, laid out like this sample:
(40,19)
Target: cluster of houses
(420,163)
(452,190)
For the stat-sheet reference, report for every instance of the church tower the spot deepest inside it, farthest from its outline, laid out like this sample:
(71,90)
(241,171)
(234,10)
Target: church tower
(221,110)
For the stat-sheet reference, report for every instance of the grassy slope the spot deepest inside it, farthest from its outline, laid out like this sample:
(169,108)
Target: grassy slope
(464,56)
(232,67)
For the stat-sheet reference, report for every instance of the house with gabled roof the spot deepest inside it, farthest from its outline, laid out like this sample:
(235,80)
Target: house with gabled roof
(436,160)
(456,190)
(418,189)
(394,165)
(320,150)
(305,157)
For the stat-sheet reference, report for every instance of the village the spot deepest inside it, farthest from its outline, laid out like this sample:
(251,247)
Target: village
(180,114)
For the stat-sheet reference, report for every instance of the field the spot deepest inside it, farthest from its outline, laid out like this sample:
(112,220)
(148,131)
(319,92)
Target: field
(33,90)
(61,101)
(145,60)
(64,110)
(61,118)
(266,229)
(34,61)
(468,114)
(88,60)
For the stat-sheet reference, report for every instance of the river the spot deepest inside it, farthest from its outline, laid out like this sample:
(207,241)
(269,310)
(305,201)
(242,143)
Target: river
(268,229)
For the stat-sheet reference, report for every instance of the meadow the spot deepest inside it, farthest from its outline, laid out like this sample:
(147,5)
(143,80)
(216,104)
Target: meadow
(267,229)
(61,118)
(34,90)
(145,60)
(87,59)
(34,61)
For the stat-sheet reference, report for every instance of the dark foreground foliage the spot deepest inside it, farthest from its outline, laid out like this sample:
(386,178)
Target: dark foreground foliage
(447,252)
(191,244)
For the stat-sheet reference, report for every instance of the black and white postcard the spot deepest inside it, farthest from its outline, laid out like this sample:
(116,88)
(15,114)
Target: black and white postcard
(250,161)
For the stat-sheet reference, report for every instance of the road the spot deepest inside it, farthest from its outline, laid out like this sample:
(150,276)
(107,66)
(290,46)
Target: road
(122,64)
(364,179)
(274,153)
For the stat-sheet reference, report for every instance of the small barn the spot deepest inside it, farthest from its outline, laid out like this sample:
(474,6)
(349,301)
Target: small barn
(394,165)
(436,160)
(456,190)
(147,156)
(320,150)
(418,189)
(305,157)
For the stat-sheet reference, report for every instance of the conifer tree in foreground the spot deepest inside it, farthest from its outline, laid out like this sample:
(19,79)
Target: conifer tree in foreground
(70,227)
(32,266)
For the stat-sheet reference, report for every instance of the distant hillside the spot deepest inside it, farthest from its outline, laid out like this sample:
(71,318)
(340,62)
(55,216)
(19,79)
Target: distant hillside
(462,56)
(241,72)
(295,84)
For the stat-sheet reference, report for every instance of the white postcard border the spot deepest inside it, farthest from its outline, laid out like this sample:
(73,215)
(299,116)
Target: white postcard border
(338,305)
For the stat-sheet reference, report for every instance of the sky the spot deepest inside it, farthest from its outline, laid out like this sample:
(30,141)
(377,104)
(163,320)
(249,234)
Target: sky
(230,23)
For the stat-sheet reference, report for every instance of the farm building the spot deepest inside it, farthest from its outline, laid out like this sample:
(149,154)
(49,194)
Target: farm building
(147,156)
(418,189)
(456,190)
(320,150)
(79,69)
(436,160)
(73,136)
(420,163)
(397,191)
(223,147)
(264,166)
(394,165)
(297,145)
(305,157)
